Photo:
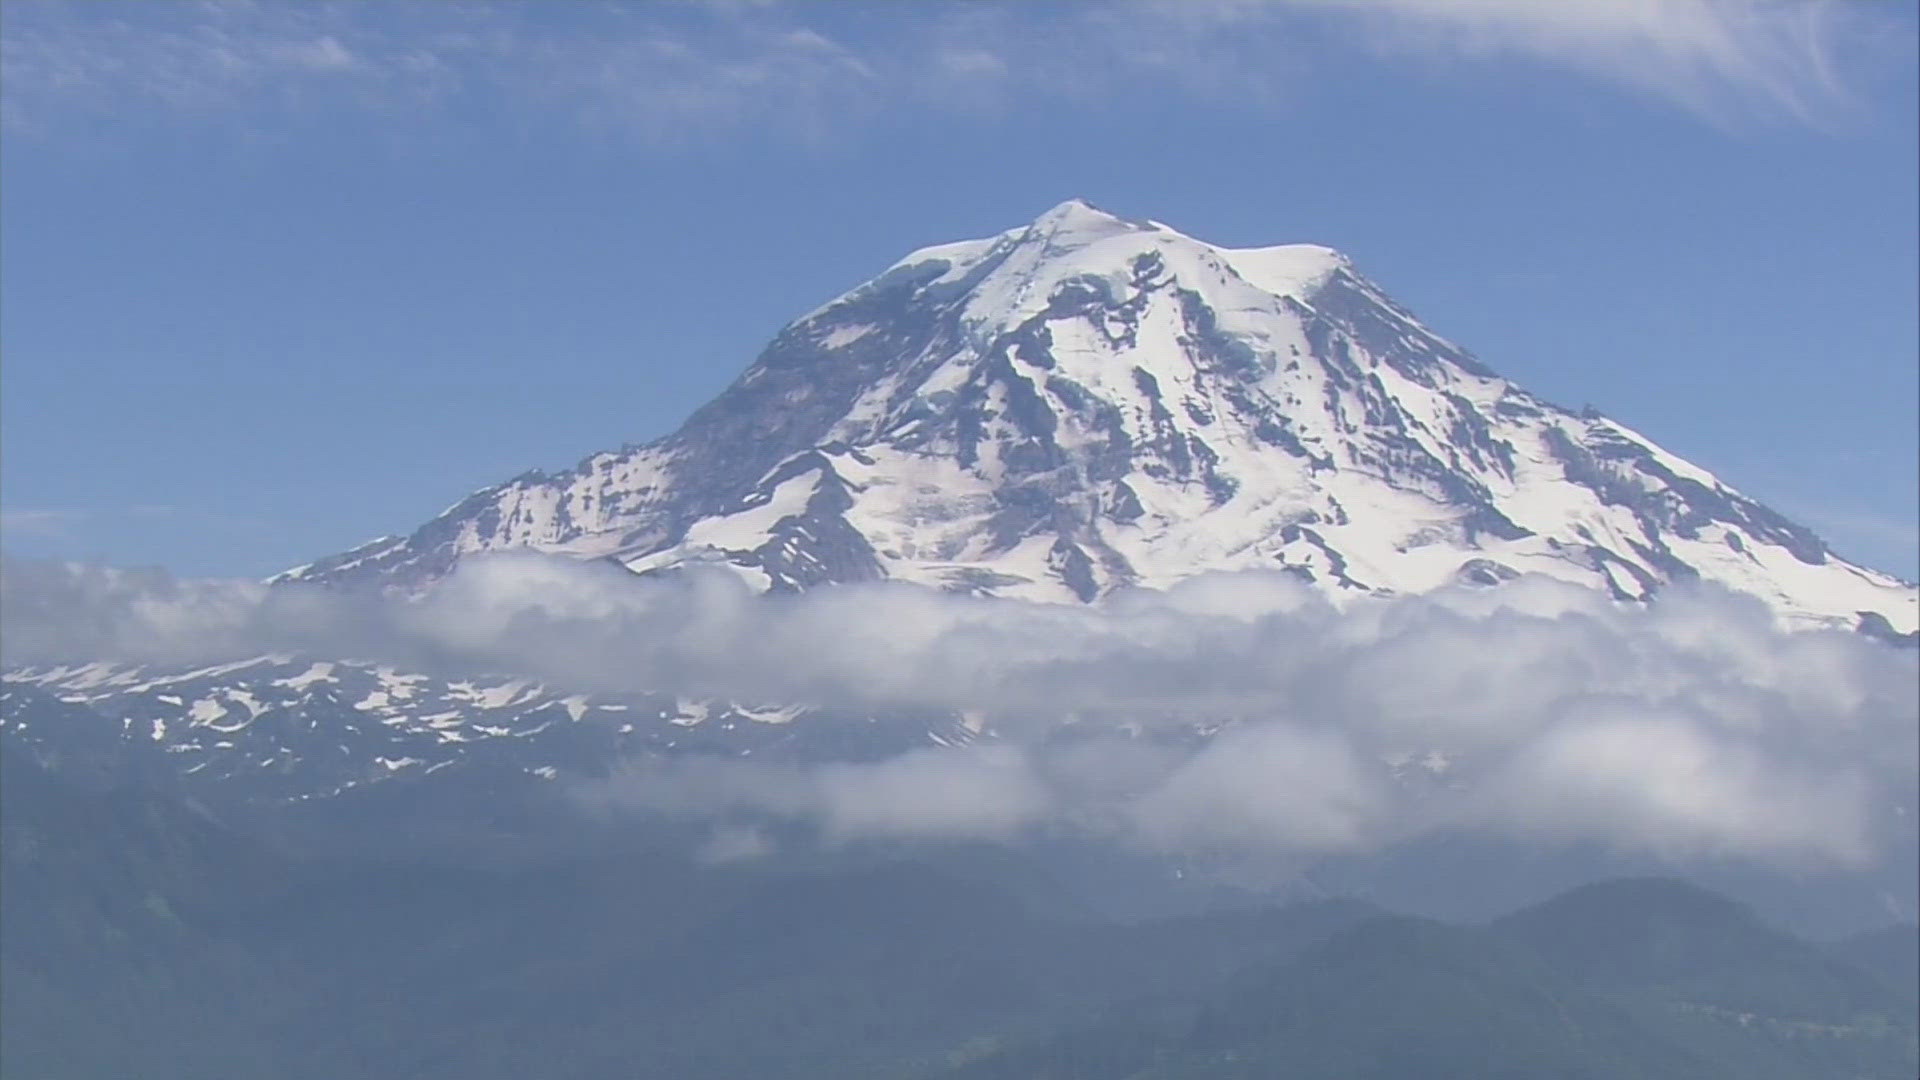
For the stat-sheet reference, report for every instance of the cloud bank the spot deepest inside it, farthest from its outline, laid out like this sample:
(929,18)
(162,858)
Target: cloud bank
(1232,713)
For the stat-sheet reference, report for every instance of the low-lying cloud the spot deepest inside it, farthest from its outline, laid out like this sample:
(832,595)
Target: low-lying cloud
(1237,712)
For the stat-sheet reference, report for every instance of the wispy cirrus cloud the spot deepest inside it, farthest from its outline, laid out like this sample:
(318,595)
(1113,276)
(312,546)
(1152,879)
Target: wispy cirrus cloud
(38,522)
(61,61)
(686,72)
(1719,58)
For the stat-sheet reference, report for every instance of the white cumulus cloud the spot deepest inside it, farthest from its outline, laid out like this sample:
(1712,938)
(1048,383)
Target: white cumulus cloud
(1232,712)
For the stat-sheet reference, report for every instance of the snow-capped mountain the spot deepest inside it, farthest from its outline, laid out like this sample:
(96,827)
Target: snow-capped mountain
(1071,407)
(1086,402)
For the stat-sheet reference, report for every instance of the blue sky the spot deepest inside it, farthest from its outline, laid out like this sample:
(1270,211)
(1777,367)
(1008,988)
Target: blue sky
(278,278)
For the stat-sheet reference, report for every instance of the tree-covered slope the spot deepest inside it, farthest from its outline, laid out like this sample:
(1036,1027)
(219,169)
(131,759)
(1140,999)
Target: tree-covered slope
(140,937)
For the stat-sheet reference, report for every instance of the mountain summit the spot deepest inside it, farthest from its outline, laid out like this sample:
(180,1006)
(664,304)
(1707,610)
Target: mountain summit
(1088,402)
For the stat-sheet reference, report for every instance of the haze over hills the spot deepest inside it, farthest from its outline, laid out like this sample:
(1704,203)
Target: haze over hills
(145,939)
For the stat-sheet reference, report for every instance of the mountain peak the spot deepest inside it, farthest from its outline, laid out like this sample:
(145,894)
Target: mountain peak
(1076,223)
(1078,212)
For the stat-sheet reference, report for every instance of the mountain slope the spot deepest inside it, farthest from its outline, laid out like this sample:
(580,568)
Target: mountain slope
(142,937)
(1639,978)
(1086,403)
(278,729)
